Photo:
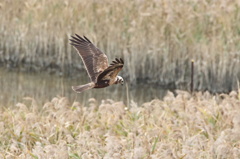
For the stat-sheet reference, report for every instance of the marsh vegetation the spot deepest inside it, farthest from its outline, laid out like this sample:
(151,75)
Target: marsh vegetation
(163,36)
(183,126)
(157,39)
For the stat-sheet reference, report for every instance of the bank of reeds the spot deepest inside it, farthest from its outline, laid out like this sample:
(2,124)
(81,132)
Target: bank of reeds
(161,36)
(185,126)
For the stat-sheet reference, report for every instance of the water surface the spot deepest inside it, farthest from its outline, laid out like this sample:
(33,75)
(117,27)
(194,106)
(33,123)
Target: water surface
(14,86)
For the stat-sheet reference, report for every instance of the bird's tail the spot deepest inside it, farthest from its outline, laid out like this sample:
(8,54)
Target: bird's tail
(81,88)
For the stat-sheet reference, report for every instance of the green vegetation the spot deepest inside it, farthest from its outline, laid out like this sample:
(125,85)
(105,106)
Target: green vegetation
(162,36)
(185,126)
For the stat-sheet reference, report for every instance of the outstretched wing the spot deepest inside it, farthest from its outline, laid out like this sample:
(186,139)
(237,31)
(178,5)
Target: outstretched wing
(94,60)
(112,71)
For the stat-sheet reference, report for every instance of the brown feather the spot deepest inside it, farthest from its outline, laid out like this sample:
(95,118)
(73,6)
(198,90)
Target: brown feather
(81,88)
(122,61)
(112,71)
(94,59)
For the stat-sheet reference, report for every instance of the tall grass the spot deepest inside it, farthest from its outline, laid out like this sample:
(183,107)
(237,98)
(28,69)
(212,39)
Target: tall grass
(185,126)
(161,36)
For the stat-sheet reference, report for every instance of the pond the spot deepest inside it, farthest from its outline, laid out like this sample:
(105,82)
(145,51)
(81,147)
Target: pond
(14,86)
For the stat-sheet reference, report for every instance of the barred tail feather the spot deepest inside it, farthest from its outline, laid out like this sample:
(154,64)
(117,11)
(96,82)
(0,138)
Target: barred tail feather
(81,88)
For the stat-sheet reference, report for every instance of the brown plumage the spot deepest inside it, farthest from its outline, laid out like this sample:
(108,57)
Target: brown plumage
(96,63)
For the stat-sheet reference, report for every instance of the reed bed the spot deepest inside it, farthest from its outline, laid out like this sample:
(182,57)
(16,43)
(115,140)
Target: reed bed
(182,126)
(158,35)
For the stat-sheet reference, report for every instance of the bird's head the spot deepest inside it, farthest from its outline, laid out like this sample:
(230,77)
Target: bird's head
(119,80)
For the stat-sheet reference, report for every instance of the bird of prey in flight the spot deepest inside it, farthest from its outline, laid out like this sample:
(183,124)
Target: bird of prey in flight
(96,63)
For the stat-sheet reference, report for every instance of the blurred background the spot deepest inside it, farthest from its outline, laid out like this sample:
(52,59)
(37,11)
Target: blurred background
(156,38)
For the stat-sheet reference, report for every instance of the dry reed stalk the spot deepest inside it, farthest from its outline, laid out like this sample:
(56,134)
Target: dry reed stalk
(203,126)
(192,76)
(160,36)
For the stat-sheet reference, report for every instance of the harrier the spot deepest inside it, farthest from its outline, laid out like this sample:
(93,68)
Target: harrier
(96,63)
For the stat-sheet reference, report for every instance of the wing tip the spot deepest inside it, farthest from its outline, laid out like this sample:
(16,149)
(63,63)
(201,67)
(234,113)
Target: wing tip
(77,39)
(117,61)
(122,60)
(86,39)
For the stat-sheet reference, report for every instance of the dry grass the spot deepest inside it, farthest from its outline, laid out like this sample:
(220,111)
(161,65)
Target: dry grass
(159,35)
(185,126)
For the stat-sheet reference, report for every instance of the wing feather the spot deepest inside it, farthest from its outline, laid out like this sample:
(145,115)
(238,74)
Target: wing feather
(112,71)
(95,61)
